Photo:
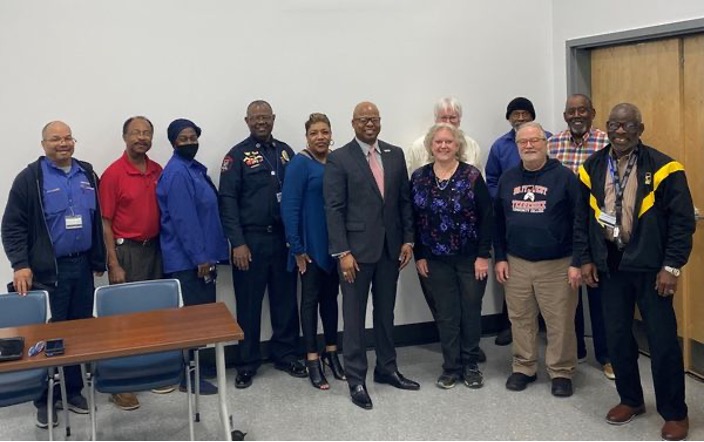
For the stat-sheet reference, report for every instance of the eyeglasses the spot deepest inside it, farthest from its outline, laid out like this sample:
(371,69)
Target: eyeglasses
(141,133)
(628,126)
(59,140)
(523,142)
(366,120)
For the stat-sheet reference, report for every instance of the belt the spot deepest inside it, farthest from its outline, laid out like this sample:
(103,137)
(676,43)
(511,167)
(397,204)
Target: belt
(275,228)
(144,243)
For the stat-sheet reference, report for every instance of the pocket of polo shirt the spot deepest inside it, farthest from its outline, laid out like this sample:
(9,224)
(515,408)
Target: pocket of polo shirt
(55,200)
(87,197)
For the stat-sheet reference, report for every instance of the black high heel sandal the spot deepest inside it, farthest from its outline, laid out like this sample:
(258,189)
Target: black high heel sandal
(331,359)
(315,374)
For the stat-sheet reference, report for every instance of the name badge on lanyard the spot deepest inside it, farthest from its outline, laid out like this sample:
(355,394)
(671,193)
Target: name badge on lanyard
(73,222)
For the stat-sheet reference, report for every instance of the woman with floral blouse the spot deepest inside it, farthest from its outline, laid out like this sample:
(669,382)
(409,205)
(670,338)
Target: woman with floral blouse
(453,220)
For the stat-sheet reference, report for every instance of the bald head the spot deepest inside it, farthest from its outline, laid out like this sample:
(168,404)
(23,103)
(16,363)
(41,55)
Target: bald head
(624,127)
(51,125)
(366,122)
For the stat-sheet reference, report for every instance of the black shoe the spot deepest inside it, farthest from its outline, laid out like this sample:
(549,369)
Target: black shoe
(244,379)
(473,377)
(397,380)
(315,374)
(505,337)
(519,381)
(331,359)
(294,368)
(76,403)
(360,397)
(562,387)
(446,380)
(482,356)
(43,417)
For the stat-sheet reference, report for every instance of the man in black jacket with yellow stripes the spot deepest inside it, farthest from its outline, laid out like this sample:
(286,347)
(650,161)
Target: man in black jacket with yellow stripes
(633,241)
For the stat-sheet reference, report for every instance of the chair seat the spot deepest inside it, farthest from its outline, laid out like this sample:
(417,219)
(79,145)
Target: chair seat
(22,386)
(138,373)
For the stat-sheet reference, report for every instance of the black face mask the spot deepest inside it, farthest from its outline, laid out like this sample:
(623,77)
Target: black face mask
(187,151)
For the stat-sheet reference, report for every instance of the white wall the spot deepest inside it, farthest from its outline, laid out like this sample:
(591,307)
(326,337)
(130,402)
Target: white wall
(94,63)
(577,19)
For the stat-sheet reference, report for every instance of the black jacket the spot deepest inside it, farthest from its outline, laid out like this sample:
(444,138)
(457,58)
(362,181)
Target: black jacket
(535,213)
(663,222)
(25,235)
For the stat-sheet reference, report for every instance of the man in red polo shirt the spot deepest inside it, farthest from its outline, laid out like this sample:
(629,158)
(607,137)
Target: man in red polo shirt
(131,218)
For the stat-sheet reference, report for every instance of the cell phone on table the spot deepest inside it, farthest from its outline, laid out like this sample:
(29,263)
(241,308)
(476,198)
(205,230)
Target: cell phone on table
(54,347)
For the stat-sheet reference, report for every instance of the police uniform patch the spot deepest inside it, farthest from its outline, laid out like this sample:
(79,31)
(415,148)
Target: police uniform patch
(226,163)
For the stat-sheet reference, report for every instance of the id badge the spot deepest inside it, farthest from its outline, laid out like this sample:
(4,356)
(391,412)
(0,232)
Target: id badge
(278,197)
(73,222)
(607,219)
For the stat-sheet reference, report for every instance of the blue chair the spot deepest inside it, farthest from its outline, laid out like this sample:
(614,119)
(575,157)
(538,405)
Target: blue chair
(29,385)
(143,372)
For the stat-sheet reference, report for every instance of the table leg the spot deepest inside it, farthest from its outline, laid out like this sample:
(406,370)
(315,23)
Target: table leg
(222,389)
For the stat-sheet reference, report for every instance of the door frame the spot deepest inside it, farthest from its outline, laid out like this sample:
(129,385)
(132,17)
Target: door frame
(578,49)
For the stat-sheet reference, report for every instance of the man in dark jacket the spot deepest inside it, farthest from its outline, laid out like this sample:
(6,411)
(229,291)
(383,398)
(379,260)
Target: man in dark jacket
(634,235)
(53,237)
(534,208)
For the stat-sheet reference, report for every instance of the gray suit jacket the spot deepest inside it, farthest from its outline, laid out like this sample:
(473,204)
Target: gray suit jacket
(358,218)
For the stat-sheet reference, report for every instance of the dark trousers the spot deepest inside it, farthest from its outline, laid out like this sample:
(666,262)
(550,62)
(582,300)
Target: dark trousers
(141,262)
(457,295)
(621,292)
(319,288)
(194,290)
(71,299)
(601,352)
(382,276)
(266,271)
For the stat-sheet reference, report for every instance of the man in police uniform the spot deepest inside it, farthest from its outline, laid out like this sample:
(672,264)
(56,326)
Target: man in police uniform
(634,240)
(53,238)
(131,217)
(250,196)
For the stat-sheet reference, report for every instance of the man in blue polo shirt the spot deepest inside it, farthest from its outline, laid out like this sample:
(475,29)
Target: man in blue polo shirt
(53,237)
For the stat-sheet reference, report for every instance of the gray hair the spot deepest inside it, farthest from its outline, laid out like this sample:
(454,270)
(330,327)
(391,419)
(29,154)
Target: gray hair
(628,107)
(457,134)
(530,124)
(448,103)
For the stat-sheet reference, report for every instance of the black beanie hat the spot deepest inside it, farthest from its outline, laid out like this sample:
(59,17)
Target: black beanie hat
(520,103)
(177,126)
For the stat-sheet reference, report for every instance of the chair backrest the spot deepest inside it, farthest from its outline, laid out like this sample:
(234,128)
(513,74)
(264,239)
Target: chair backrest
(139,296)
(17,310)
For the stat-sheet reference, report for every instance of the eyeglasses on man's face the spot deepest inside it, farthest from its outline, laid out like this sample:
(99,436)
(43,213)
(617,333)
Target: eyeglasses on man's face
(366,120)
(59,140)
(628,126)
(523,142)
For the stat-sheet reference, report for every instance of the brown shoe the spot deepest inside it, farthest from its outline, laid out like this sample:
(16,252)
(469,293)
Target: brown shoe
(675,430)
(125,401)
(609,371)
(623,414)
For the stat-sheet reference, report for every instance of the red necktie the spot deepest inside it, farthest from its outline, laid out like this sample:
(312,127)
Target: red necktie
(376,170)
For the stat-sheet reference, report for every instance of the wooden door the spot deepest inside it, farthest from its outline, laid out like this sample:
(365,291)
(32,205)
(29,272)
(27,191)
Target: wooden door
(693,80)
(647,75)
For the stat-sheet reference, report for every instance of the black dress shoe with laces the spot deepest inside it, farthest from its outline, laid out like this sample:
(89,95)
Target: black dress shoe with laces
(360,397)
(294,368)
(244,379)
(397,380)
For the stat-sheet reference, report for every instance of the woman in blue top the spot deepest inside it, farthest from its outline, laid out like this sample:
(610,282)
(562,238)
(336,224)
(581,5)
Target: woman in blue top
(303,214)
(192,239)
(453,219)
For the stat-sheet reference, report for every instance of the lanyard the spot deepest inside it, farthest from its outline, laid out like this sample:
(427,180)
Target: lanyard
(620,183)
(274,170)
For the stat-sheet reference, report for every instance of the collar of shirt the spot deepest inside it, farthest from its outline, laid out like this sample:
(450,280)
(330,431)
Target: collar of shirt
(191,164)
(259,144)
(365,147)
(53,168)
(131,169)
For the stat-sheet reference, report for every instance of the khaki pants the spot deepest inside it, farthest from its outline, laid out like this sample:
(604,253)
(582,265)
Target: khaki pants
(541,287)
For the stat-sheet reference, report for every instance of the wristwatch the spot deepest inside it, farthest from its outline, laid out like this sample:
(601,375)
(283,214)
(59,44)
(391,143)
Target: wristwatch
(672,270)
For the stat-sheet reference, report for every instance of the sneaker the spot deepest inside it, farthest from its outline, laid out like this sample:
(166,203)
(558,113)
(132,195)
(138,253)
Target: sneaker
(206,388)
(164,390)
(43,417)
(76,403)
(446,380)
(125,401)
(609,371)
(473,377)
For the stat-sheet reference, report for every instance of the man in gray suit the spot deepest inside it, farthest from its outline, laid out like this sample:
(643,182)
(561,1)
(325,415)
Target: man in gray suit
(370,225)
